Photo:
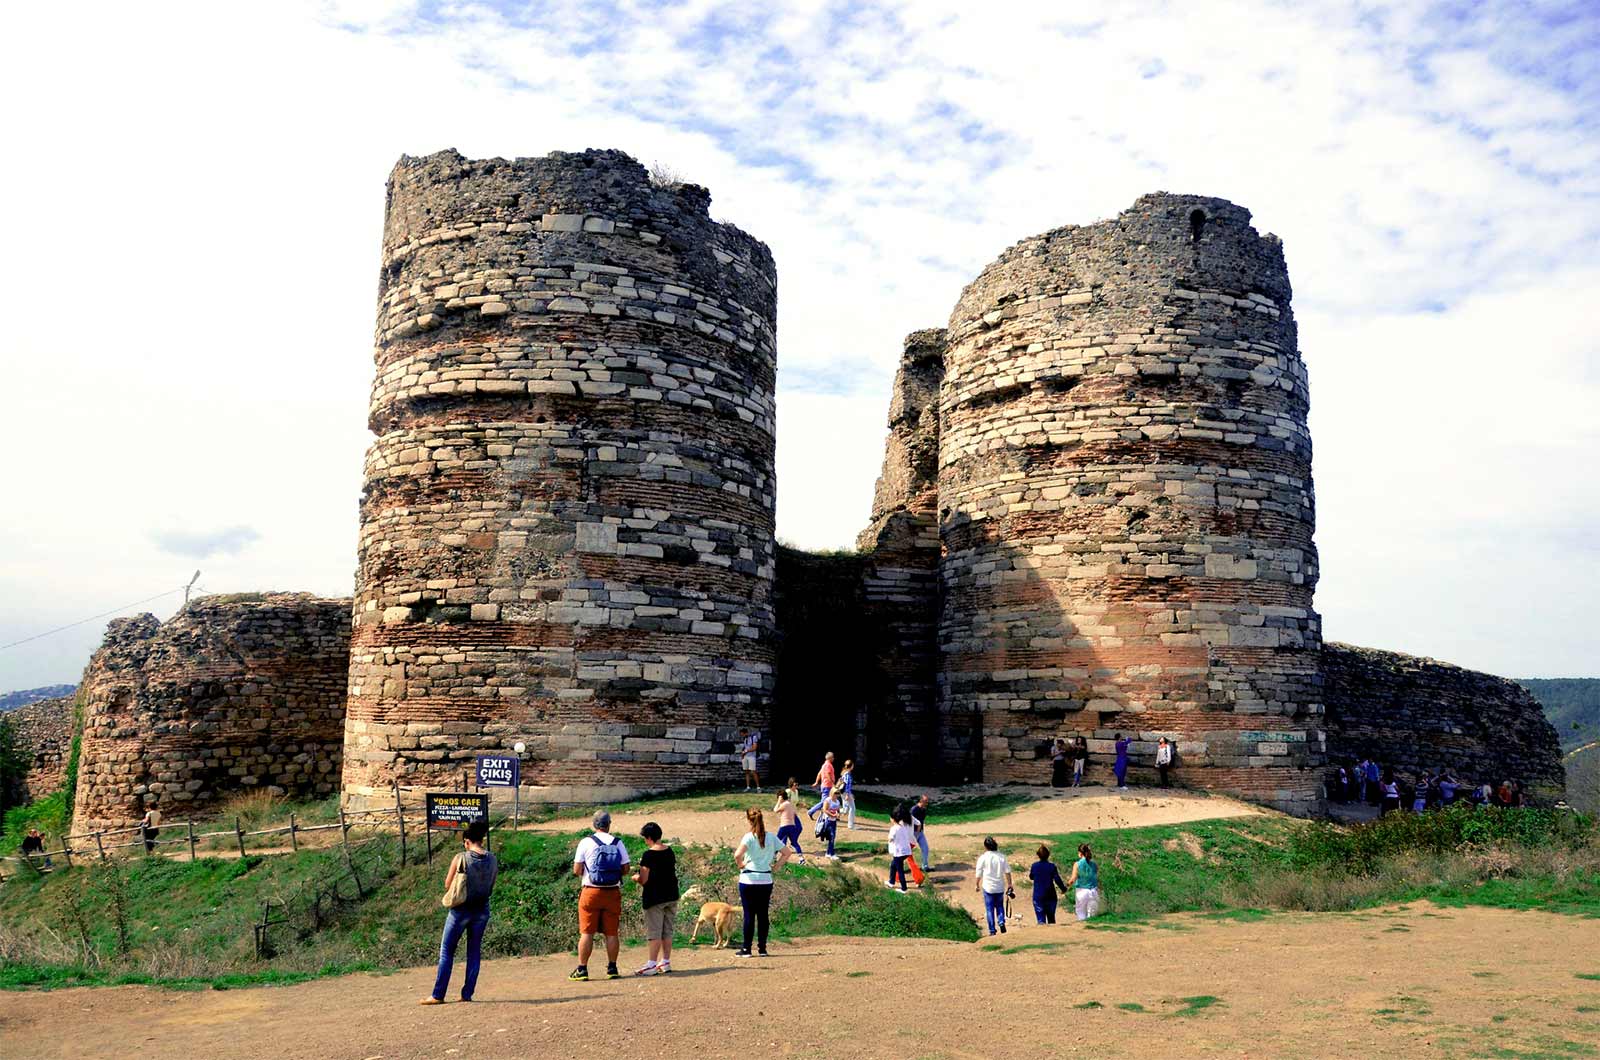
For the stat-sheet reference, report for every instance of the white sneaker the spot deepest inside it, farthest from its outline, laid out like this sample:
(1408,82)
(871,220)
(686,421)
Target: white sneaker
(650,968)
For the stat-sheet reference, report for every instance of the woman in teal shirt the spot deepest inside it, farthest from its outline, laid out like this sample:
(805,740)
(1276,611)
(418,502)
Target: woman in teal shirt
(757,854)
(1085,881)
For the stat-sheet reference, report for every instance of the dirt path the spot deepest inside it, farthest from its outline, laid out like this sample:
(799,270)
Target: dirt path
(1413,982)
(956,845)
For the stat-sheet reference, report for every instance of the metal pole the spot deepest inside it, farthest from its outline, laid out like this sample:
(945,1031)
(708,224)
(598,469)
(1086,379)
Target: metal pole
(400,815)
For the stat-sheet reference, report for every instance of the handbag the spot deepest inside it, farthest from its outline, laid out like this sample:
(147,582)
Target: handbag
(456,894)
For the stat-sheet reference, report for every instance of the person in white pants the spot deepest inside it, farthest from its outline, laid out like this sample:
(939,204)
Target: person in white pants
(1085,884)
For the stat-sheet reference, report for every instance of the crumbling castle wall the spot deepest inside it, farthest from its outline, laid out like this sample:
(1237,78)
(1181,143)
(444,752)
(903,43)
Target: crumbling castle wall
(1419,715)
(44,731)
(567,524)
(1126,505)
(231,694)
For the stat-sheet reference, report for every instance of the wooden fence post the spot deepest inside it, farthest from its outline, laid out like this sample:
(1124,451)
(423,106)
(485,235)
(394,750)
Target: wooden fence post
(400,815)
(66,851)
(100,845)
(191,840)
(239,832)
(294,840)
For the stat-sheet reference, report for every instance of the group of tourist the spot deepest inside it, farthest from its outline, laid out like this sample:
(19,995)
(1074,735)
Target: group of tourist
(601,862)
(1069,754)
(1367,782)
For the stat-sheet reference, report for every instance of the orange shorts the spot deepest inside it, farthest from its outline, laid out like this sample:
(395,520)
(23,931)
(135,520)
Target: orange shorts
(600,911)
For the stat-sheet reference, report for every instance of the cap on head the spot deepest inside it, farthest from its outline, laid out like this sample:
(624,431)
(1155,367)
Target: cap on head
(602,821)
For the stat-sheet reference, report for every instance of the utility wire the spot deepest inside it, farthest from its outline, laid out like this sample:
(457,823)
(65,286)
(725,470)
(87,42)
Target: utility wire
(91,618)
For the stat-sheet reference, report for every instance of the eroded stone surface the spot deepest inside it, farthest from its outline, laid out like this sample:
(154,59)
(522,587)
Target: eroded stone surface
(231,694)
(567,528)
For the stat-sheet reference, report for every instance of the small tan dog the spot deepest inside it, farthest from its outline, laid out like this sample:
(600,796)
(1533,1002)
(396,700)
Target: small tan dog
(720,916)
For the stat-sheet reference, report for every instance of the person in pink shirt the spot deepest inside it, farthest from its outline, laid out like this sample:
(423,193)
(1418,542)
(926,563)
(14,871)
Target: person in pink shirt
(825,778)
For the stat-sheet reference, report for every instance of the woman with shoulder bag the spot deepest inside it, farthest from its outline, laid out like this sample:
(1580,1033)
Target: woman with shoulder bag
(467,886)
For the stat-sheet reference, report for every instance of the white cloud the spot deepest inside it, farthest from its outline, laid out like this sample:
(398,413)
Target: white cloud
(195,201)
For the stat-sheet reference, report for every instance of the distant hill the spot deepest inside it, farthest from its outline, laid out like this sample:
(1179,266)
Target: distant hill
(1583,778)
(1572,704)
(22,697)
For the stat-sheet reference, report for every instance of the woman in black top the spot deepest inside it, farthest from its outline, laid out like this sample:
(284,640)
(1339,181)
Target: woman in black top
(1058,764)
(658,876)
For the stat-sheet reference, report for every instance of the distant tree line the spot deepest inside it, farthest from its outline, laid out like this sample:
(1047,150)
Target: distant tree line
(1572,704)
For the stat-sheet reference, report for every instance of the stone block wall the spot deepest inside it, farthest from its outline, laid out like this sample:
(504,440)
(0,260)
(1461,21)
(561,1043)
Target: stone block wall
(1126,506)
(1419,715)
(567,525)
(44,730)
(231,694)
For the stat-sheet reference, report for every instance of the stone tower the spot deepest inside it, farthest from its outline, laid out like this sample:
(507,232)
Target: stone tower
(567,524)
(1126,505)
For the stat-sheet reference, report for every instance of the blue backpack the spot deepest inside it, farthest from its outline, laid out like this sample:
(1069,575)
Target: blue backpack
(604,864)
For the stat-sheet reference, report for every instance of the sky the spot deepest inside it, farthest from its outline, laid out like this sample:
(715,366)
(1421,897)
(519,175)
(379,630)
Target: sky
(193,200)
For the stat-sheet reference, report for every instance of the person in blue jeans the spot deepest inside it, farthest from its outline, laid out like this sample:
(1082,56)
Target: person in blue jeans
(1046,880)
(919,827)
(828,827)
(993,878)
(471,917)
(1120,767)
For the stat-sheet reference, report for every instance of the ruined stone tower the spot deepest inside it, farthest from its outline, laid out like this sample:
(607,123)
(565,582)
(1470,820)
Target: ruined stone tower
(1126,505)
(567,524)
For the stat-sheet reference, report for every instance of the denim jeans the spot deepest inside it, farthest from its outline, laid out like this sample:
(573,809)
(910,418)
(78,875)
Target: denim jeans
(830,830)
(922,843)
(994,909)
(1044,909)
(897,870)
(455,923)
(790,834)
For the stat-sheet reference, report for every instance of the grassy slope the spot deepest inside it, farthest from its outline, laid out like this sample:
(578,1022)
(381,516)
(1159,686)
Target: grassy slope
(190,922)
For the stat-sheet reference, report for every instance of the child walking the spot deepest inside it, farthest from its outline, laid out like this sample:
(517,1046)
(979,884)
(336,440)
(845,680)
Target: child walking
(900,846)
(789,823)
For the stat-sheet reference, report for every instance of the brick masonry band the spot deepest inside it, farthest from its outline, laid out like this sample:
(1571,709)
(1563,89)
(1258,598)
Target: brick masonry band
(1095,515)
(567,526)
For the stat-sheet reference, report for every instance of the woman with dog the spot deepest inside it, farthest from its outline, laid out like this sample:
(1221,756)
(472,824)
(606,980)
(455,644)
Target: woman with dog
(757,855)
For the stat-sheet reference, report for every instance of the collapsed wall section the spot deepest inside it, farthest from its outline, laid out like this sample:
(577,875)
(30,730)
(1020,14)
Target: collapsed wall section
(567,523)
(44,732)
(232,694)
(1417,715)
(1126,505)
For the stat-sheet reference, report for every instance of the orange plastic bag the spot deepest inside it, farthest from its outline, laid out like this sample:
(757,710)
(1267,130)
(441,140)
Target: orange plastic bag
(917,875)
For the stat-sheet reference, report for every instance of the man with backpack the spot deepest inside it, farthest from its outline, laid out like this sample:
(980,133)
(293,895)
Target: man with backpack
(600,863)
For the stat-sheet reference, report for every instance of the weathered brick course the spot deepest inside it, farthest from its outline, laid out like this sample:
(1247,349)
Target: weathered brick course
(567,527)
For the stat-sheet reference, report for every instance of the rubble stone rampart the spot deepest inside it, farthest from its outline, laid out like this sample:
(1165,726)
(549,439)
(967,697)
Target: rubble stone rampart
(231,694)
(1417,715)
(567,525)
(44,731)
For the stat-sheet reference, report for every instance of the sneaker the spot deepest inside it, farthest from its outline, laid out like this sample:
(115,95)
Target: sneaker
(664,968)
(612,973)
(650,968)
(888,884)
(431,1000)
(1002,929)
(580,974)
(761,953)
(743,953)
(801,860)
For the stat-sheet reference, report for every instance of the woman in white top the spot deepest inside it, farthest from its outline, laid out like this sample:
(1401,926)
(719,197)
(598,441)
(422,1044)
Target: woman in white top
(901,843)
(757,854)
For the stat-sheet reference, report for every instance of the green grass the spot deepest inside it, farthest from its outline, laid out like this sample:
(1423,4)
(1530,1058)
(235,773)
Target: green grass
(1089,1004)
(1131,1006)
(190,923)
(1197,1004)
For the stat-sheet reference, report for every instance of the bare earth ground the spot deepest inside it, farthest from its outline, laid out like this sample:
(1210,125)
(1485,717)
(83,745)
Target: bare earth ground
(1409,982)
